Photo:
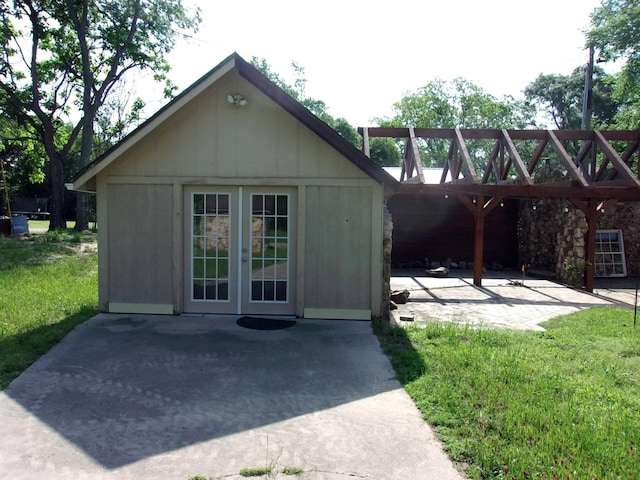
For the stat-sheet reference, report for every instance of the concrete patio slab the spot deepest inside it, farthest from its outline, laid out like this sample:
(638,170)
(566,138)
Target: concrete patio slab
(154,397)
(505,299)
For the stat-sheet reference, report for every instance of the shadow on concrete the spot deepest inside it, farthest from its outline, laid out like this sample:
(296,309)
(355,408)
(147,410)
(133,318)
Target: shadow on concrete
(506,299)
(617,291)
(493,295)
(407,362)
(22,349)
(125,388)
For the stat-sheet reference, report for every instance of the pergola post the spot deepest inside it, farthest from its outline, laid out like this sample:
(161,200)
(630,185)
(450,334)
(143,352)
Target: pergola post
(478,243)
(479,209)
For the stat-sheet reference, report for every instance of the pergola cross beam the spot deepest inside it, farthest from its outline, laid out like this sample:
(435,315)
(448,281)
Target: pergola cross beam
(414,154)
(587,168)
(572,170)
(465,159)
(492,165)
(515,159)
(619,164)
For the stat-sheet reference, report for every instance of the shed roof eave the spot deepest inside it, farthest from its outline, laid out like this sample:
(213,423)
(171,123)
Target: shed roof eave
(89,186)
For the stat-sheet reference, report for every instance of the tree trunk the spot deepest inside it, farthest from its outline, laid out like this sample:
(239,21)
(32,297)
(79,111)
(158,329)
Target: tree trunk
(56,204)
(82,211)
(86,149)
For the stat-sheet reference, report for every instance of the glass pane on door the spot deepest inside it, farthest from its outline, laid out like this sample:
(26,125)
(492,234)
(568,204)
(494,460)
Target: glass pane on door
(210,240)
(269,239)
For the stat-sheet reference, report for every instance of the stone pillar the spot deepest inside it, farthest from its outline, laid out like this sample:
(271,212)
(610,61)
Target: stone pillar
(570,247)
(386,261)
(552,238)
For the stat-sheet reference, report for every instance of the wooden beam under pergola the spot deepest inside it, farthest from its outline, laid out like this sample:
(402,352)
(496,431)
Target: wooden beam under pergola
(594,176)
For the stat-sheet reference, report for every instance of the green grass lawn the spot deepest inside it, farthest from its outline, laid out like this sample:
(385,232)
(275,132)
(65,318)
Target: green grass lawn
(48,284)
(43,225)
(560,404)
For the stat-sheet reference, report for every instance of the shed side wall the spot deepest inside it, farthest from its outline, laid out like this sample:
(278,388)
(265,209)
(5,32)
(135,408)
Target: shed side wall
(338,248)
(140,243)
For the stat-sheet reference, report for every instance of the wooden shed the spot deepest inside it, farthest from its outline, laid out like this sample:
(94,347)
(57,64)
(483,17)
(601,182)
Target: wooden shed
(235,199)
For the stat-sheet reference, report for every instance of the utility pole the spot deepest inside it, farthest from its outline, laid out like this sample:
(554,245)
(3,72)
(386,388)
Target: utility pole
(590,212)
(587,106)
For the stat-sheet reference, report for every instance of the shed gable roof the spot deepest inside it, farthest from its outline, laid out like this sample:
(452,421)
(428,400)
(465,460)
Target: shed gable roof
(85,178)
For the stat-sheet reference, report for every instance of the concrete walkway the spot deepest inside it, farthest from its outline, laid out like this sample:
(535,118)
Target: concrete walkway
(502,300)
(152,397)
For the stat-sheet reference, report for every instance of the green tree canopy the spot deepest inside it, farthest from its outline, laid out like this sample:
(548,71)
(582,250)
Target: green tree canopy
(615,32)
(385,152)
(459,103)
(561,97)
(64,57)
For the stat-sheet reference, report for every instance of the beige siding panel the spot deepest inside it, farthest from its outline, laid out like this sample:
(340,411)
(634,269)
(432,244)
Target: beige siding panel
(377,222)
(177,140)
(128,164)
(338,248)
(211,138)
(301,250)
(140,238)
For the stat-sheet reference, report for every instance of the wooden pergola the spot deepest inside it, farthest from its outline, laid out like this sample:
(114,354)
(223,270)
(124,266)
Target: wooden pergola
(603,172)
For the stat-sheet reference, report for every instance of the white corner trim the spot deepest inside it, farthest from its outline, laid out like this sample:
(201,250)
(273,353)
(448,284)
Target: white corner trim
(337,314)
(147,308)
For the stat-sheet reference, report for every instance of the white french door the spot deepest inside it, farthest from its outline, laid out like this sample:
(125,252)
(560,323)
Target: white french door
(239,255)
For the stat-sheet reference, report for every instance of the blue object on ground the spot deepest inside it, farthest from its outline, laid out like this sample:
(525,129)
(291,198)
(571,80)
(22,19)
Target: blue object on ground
(20,225)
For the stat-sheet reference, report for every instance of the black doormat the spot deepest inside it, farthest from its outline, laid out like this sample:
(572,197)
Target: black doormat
(257,323)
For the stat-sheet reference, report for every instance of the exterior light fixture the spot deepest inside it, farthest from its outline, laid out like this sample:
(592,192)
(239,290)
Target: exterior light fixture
(237,99)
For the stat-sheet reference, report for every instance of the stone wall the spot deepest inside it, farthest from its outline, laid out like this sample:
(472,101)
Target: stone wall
(552,236)
(537,229)
(626,217)
(570,252)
